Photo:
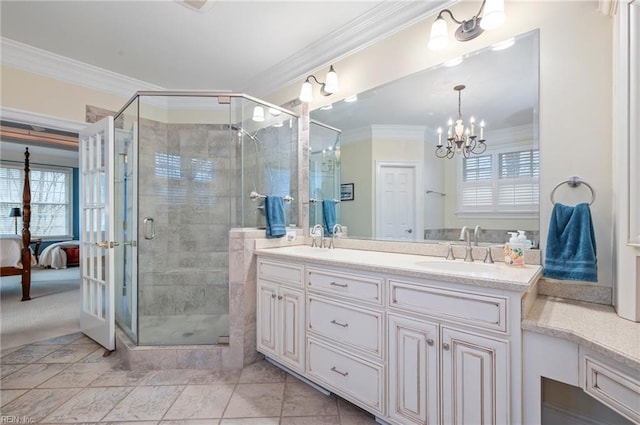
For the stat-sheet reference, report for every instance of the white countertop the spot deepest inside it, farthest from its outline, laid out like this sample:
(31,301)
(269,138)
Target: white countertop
(595,326)
(496,275)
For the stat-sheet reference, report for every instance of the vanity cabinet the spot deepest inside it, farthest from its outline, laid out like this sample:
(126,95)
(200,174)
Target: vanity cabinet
(431,361)
(410,350)
(280,314)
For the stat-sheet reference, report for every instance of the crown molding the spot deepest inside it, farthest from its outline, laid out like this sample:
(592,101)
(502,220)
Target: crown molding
(378,23)
(32,118)
(51,65)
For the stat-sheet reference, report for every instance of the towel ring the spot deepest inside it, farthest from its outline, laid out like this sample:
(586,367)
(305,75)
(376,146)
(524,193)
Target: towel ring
(574,182)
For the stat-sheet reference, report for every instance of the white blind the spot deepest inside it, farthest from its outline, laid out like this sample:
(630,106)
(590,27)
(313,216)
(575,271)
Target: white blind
(500,182)
(50,199)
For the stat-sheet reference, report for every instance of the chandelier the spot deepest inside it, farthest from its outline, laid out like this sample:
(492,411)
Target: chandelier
(461,139)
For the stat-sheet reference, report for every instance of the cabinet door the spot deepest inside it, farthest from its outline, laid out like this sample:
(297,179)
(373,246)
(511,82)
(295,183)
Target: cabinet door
(475,382)
(413,371)
(267,312)
(291,321)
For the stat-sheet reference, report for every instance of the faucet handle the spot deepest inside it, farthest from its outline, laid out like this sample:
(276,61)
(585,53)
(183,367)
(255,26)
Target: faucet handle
(488,258)
(450,255)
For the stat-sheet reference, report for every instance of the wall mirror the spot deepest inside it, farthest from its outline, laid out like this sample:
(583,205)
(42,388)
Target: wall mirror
(383,145)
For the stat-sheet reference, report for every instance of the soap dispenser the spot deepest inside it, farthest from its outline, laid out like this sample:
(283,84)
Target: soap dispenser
(522,238)
(514,251)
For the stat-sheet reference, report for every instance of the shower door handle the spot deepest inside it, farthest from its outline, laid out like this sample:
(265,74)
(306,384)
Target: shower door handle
(149,228)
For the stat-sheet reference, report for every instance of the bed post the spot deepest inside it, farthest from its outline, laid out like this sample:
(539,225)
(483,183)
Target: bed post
(26,233)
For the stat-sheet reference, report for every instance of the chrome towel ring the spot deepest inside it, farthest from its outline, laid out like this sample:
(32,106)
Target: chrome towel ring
(574,182)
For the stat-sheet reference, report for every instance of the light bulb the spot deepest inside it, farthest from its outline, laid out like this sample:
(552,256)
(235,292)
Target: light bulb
(439,35)
(306,92)
(331,82)
(258,114)
(493,15)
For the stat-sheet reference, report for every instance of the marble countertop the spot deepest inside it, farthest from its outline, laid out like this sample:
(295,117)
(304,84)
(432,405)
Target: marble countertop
(595,326)
(496,275)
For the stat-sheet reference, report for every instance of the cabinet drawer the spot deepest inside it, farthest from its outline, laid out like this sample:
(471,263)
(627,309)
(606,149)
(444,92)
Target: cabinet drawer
(473,309)
(612,387)
(354,286)
(353,378)
(357,327)
(280,272)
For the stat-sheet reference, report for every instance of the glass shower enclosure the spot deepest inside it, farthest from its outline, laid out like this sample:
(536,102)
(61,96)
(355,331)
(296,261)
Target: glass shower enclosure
(324,169)
(186,164)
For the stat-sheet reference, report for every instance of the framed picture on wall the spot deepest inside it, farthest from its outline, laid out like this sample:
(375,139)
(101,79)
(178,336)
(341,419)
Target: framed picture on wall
(346,192)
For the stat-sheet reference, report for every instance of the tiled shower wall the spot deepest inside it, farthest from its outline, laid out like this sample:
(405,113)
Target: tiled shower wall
(187,175)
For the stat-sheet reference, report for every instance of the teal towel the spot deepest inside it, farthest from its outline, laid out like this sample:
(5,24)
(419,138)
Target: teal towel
(328,216)
(274,211)
(571,244)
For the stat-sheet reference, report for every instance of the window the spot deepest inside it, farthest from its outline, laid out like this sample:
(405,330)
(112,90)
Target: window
(51,200)
(500,182)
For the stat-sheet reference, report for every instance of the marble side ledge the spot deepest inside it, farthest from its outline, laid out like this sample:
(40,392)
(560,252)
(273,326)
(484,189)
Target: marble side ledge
(594,326)
(495,276)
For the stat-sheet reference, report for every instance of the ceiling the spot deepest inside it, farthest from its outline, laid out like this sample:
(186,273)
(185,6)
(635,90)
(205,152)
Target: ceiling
(225,45)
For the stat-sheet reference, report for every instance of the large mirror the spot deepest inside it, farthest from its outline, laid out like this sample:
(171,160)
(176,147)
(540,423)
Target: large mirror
(395,186)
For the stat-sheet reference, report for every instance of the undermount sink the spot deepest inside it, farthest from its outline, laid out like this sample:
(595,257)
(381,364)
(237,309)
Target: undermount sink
(458,266)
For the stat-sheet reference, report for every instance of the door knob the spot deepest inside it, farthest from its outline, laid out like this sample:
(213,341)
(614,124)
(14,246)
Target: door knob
(409,230)
(107,244)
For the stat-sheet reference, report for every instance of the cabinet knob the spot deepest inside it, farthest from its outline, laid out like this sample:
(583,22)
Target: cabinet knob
(273,295)
(280,297)
(430,342)
(445,346)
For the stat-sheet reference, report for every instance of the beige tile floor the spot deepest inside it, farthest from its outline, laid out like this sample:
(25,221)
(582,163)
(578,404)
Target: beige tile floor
(66,380)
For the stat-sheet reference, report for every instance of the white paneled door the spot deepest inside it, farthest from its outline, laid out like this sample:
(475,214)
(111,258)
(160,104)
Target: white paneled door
(97,316)
(396,200)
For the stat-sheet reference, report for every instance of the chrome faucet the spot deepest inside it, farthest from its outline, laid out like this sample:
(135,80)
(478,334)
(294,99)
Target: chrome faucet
(465,235)
(317,231)
(476,235)
(335,234)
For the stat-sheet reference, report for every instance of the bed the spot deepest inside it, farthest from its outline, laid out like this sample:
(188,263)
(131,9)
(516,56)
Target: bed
(60,255)
(18,257)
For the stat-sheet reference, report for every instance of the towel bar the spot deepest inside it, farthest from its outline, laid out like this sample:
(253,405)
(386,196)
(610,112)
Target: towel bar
(314,200)
(574,181)
(254,196)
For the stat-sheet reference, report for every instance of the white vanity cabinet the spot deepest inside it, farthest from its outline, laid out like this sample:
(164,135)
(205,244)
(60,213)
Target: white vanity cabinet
(410,348)
(431,362)
(280,313)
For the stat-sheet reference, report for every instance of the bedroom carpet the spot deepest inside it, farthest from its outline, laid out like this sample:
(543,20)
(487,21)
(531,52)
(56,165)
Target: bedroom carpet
(54,309)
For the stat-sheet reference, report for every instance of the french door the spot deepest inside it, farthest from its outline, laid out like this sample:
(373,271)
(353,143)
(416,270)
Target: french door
(97,274)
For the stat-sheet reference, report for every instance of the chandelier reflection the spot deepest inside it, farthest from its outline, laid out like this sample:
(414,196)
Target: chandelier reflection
(461,139)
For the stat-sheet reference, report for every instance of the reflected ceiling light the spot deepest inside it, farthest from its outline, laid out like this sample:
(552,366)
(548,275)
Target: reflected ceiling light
(278,124)
(453,62)
(329,87)
(492,17)
(351,98)
(461,140)
(258,114)
(327,107)
(275,112)
(504,44)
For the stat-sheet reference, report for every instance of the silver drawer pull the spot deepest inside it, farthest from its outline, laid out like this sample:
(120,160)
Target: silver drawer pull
(333,369)
(344,325)
(342,285)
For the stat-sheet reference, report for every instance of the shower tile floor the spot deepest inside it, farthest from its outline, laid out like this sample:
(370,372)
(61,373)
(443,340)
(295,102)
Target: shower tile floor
(190,329)
(66,380)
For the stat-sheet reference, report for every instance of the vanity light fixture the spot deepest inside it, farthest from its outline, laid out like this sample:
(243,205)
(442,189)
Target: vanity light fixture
(329,87)
(493,16)
(461,140)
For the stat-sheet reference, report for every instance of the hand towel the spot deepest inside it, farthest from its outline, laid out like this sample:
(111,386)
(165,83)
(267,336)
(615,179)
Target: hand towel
(328,215)
(274,211)
(571,244)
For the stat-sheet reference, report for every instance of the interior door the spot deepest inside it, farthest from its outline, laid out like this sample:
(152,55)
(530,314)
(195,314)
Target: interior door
(396,201)
(97,315)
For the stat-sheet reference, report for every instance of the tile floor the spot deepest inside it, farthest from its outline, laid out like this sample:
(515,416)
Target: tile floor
(66,380)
